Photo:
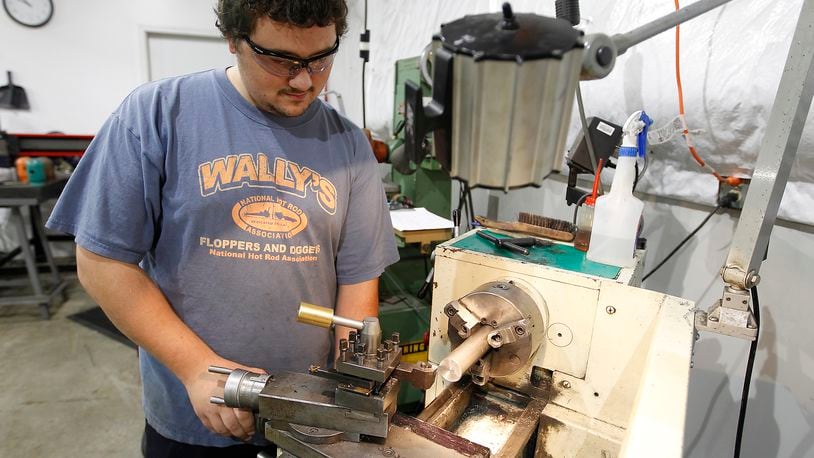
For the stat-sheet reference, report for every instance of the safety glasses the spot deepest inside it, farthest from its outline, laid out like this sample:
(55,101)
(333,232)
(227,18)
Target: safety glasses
(289,66)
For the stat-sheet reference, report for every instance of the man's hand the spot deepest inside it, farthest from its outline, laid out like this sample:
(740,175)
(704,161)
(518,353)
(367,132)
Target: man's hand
(226,421)
(140,310)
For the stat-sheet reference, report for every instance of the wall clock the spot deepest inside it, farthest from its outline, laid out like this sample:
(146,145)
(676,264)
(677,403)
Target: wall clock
(30,13)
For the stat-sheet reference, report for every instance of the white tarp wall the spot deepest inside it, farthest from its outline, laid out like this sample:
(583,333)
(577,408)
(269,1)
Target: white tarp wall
(731,62)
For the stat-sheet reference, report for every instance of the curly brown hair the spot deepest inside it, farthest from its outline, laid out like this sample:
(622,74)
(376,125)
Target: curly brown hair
(238,17)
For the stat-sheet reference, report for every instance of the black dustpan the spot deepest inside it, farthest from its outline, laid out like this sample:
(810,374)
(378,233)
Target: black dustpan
(12,96)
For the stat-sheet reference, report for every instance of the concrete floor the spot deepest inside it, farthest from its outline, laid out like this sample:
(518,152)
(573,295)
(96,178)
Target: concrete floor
(67,390)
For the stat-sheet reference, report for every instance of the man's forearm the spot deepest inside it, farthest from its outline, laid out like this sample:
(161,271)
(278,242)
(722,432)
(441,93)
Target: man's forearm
(138,308)
(357,301)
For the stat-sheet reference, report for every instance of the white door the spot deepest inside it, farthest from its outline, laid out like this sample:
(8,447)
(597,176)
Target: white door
(171,53)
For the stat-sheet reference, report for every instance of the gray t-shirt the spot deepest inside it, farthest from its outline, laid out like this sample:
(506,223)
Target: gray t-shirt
(237,215)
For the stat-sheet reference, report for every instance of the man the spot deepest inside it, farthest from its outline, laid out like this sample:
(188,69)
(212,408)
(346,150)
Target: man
(209,205)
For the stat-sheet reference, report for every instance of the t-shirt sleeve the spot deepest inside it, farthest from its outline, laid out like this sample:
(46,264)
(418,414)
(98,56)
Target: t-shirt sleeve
(367,245)
(111,203)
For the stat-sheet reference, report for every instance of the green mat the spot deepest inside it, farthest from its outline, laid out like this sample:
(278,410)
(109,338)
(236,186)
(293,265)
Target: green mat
(559,256)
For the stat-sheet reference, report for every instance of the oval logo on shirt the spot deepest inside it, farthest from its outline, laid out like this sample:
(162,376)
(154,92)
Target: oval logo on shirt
(269,217)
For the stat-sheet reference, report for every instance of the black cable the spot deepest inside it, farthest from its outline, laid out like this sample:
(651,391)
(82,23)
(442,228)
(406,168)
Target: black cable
(646,164)
(640,173)
(461,200)
(364,53)
(576,207)
(750,363)
(471,210)
(465,202)
(364,120)
(686,239)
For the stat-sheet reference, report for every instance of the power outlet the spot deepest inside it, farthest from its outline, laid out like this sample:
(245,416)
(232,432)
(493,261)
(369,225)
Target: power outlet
(732,192)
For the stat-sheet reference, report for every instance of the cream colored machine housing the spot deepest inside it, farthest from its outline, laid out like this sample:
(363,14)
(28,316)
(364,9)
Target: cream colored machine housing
(616,357)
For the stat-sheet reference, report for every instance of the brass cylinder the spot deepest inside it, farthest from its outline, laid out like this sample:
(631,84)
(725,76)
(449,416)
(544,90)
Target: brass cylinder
(315,315)
(324,317)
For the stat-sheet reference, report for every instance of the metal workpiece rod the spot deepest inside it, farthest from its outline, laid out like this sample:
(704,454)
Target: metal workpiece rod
(465,355)
(324,317)
(624,41)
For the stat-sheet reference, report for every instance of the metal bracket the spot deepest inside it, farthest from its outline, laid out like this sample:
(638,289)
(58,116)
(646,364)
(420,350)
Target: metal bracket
(480,371)
(730,316)
(421,375)
(461,318)
(508,333)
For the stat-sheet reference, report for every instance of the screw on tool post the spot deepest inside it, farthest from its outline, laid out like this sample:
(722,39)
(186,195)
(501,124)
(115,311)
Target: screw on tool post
(343,349)
(380,355)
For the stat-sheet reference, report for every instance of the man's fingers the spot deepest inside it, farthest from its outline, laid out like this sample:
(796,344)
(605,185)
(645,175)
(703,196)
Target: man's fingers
(206,423)
(232,423)
(216,424)
(254,369)
(246,420)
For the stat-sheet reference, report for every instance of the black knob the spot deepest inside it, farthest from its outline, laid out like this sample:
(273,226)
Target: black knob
(604,56)
(507,11)
(509,22)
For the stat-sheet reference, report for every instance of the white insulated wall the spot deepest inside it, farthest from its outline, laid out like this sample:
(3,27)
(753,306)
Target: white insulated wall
(78,67)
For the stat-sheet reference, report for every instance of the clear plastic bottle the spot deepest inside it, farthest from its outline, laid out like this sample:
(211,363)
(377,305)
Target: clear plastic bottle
(616,218)
(617,214)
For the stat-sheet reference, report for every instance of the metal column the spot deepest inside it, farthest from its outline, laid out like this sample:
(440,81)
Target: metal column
(732,314)
(777,153)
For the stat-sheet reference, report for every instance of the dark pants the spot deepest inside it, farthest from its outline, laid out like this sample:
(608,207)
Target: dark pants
(154,445)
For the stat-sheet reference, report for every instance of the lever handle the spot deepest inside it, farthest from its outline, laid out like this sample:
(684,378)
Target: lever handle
(324,317)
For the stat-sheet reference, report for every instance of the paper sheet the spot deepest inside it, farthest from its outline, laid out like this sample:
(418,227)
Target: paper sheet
(417,219)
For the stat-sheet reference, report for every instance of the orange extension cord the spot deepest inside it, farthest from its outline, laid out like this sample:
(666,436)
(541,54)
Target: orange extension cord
(733,181)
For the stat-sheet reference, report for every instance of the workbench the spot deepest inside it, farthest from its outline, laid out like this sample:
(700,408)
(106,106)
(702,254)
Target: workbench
(16,196)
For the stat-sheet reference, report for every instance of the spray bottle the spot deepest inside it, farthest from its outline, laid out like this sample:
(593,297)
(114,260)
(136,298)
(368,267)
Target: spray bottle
(617,214)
